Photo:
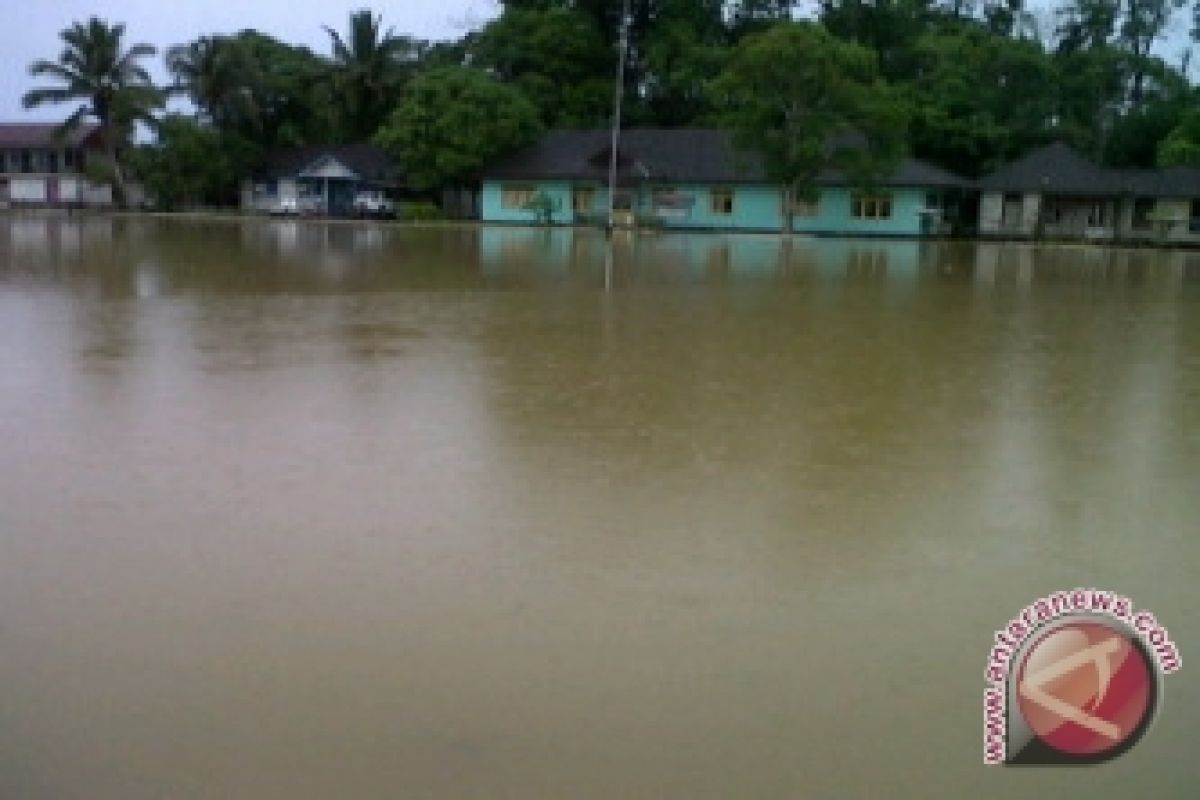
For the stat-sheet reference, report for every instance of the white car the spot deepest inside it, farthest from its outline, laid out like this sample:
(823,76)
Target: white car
(287,207)
(373,203)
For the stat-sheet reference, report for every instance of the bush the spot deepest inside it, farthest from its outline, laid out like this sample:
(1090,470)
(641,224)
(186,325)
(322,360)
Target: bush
(420,211)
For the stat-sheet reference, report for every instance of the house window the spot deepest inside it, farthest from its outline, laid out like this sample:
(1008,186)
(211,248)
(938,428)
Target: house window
(26,161)
(871,206)
(1143,209)
(517,197)
(1194,221)
(665,197)
(722,201)
(52,161)
(583,199)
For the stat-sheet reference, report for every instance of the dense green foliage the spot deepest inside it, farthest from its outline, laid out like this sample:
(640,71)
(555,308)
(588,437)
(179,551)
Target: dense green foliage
(453,120)
(191,165)
(804,99)
(966,84)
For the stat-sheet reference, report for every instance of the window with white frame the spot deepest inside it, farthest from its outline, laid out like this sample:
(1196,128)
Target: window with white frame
(871,206)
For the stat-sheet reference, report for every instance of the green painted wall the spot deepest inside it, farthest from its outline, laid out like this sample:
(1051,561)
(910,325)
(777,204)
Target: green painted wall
(756,207)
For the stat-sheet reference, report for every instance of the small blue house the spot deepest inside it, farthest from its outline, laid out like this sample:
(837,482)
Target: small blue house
(693,178)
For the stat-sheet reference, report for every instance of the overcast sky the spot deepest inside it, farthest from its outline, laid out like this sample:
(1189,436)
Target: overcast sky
(33,27)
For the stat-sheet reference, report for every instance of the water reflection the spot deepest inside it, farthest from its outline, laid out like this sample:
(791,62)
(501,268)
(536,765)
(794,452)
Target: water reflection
(271,255)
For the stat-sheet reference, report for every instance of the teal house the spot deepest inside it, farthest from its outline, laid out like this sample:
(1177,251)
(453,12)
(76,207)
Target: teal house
(693,178)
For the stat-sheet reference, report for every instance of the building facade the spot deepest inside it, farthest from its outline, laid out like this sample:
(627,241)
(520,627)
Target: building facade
(322,181)
(694,179)
(1056,193)
(42,166)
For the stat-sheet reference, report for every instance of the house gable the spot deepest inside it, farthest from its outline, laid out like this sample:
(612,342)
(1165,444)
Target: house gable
(328,167)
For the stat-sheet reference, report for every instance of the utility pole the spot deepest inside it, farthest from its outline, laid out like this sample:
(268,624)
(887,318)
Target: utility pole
(619,94)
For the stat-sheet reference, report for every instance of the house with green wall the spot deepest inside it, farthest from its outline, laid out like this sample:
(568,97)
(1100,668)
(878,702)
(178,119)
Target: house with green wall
(693,178)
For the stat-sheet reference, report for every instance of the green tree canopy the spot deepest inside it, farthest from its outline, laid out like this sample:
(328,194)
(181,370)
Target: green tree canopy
(978,99)
(557,57)
(189,164)
(1181,147)
(792,93)
(453,120)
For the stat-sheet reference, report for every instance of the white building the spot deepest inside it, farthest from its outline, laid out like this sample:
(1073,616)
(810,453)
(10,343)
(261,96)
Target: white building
(1056,193)
(41,166)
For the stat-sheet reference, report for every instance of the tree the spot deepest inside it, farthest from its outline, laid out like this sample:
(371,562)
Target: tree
(888,27)
(115,90)
(290,91)
(979,99)
(370,66)
(1145,21)
(189,164)
(804,101)
(556,57)
(1181,147)
(216,73)
(453,120)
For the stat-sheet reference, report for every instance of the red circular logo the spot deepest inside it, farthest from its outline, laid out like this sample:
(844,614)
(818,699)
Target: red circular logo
(1086,688)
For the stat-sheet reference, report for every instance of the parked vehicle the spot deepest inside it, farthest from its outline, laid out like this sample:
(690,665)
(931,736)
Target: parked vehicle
(373,203)
(287,207)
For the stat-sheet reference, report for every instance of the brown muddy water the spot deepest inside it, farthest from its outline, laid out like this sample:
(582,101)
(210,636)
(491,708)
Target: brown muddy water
(298,510)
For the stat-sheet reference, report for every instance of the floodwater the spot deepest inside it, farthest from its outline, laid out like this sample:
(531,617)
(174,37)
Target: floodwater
(294,510)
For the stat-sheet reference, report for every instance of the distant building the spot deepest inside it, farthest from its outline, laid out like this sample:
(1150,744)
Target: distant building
(41,166)
(1054,192)
(693,178)
(319,180)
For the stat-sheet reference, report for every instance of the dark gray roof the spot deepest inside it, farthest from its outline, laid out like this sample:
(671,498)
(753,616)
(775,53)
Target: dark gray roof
(44,134)
(365,160)
(703,155)
(1058,168)
(1169,182)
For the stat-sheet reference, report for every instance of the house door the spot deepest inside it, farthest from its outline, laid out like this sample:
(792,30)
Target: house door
(52,190)
(1011,213)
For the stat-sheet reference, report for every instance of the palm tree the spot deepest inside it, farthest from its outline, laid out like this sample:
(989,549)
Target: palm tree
(116,90)
(369,70)
(218,75)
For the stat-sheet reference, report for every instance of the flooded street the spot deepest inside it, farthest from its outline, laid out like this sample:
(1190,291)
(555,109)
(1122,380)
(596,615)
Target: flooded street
(296,510)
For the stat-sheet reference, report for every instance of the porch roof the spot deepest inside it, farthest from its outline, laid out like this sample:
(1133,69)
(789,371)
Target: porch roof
(364,162)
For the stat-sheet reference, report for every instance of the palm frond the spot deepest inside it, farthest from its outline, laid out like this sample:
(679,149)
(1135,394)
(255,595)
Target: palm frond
(38,97)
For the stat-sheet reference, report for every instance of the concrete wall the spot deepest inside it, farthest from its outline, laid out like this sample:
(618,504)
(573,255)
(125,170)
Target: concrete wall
(835,214)
(757,207)
(492,202)
(27,190)
(991,212)
(71,189)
